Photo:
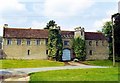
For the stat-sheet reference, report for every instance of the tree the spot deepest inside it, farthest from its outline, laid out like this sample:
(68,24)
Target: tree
(107,30)
(50,24)
(79,48)
(54,41)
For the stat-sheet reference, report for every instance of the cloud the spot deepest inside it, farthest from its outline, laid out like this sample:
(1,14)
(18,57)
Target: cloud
(99,23)
(37,24)
(53,8)
(6,5)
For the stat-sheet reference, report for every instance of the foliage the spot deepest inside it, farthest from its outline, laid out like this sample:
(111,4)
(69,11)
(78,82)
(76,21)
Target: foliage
(54,41)
(28,63)
(76,75)
(79,48)
(107,30)
(50,24)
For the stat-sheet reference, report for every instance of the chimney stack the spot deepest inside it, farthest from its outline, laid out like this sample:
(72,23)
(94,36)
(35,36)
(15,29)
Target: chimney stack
(5,26)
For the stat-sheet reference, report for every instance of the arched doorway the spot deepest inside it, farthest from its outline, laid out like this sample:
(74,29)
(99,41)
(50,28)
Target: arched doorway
(66,55)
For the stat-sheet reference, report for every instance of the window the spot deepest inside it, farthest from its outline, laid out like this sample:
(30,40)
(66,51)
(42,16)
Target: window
(28,41)
(96,43)
(28,52)
(46,51)
(66,43)
(46,42)
(18,41)
(38,42)
(90,43)
(90,52)
(9,41)
(103,43)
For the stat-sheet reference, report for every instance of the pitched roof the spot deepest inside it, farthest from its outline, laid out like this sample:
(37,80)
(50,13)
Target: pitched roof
(94,36)
(42,33)
(25,33)
(32,33)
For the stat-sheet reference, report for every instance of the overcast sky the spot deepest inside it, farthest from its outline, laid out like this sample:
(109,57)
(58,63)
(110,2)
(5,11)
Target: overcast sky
(90,14)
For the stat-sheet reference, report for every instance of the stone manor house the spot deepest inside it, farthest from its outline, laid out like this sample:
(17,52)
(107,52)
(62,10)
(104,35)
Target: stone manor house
(19,43)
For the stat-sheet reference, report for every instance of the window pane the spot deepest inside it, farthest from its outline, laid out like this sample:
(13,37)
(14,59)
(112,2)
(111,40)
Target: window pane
(28,52)
(66,42)
(90,43)
(38,42)
(9,41)
(18,41)
(46,41)
(28,41)
(103,43)
(90,52)
(96,43)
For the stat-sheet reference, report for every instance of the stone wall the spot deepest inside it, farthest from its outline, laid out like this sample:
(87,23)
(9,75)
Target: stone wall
(15,51)
(99,52)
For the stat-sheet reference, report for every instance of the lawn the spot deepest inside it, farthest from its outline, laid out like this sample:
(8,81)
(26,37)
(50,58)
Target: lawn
(97,74)
(28,63)
(100,63)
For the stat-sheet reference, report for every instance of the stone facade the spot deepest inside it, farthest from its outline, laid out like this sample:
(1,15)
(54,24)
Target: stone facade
(16,45)
(97,49)
(24,51)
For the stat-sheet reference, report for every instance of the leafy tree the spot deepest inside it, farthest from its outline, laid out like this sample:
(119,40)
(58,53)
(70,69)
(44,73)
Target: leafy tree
(50,24)
(54,41)
(79,48)
(107,30)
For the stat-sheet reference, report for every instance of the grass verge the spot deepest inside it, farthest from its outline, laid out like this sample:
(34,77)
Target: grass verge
(95,74)
(28,63)
(100,63)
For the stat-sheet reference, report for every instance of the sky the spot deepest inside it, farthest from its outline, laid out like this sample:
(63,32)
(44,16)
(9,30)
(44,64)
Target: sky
(68,14)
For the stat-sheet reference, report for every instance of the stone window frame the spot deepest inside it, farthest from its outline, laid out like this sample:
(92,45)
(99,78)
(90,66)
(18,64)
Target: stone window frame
(28,42)
(97,43)
(90,43)
(46,41)
(66,43)
(47,52)
(19,41)
(9,41)
(90,52)
(28,52)
(38,42)
(103,42)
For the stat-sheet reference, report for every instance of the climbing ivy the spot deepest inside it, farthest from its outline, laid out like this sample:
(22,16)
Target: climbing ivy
(54,42)
(79,48)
